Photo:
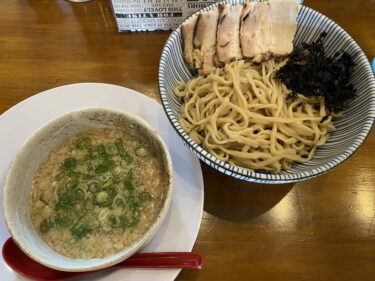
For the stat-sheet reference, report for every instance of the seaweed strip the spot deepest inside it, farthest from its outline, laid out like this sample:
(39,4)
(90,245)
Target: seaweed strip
(310,72)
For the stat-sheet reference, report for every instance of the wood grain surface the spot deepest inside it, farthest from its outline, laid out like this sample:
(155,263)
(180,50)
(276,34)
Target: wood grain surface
(320,229)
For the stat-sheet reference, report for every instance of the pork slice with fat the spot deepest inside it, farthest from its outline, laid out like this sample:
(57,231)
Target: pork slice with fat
(283,26)
(228,29)
(204,41)
(188,29)
(255,30)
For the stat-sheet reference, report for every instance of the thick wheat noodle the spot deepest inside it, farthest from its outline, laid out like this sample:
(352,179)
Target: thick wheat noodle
(241,114)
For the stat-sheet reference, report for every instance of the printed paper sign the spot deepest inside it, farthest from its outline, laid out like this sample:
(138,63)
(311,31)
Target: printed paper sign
(143,15)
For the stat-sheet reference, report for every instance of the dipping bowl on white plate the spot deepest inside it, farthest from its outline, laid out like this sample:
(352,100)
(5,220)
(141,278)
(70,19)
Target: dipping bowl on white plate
(351,128)
(88,189)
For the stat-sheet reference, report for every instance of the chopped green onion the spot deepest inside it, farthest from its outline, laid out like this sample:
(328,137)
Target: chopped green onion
(106,184)
(46,225)
(83,143)
(101,151)
(111,149)
(145,196)
(105,166)
(81,231)
(69,164)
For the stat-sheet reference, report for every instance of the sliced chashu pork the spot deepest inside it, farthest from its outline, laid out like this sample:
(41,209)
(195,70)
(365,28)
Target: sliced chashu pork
(283,18)
(204,41)
(188,29)
(228,30)
(266,29)
(255,30)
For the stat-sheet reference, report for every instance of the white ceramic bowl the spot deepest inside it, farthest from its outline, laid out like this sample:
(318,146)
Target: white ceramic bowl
(18,184)
(352,127)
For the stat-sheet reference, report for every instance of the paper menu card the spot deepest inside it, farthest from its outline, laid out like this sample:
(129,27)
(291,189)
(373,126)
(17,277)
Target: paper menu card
(149,15)
(142,15)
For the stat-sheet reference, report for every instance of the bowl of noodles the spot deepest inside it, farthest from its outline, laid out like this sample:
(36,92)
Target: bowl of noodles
(245,119)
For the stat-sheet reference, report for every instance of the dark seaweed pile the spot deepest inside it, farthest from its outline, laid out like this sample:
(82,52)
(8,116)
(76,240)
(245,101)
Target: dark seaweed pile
(311,73)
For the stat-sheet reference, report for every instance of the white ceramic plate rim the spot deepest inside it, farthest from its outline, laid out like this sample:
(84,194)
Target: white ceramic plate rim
(183,221)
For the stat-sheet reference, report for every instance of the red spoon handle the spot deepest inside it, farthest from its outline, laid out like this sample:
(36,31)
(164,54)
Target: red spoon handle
(27,267)
(164,260)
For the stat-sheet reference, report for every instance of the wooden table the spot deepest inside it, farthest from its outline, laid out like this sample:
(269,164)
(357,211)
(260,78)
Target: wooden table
(321,229)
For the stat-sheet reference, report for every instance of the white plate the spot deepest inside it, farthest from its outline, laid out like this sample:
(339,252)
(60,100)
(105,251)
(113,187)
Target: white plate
(179,230)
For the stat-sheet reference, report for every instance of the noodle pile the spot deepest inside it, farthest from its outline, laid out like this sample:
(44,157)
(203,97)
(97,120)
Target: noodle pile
(242,115)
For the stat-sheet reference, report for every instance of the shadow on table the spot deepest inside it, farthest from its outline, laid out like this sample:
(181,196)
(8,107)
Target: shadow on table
(236,200)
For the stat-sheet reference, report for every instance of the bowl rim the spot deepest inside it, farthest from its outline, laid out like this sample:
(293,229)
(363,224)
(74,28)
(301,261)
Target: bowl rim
(243,173)
(128,250)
